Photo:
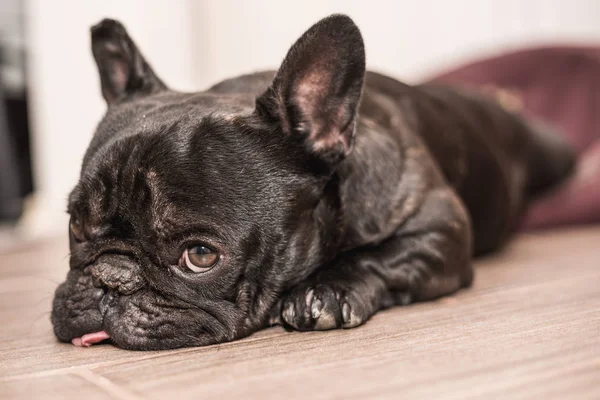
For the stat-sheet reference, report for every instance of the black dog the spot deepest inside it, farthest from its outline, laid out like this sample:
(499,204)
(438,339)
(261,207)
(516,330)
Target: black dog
(311,197)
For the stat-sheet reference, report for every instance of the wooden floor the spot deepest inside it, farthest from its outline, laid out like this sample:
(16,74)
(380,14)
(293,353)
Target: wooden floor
(528,329)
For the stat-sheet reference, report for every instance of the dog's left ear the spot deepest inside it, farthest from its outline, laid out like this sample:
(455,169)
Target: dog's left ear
(123,70)
(317,90)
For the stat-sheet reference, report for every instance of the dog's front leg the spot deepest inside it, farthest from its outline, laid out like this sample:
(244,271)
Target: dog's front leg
(428,257)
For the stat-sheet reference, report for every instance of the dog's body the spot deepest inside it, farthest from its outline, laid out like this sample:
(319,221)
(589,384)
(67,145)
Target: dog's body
(317,215)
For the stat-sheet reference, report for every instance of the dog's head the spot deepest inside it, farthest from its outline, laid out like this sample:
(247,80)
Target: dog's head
(194,212)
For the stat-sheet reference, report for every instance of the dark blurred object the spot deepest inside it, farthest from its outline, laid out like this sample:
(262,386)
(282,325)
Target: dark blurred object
(560,85)
(15,155)
(18,125)
(10,187)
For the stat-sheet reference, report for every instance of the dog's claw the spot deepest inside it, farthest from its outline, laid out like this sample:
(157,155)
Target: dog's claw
(289,313)
(315,308)
(346,315)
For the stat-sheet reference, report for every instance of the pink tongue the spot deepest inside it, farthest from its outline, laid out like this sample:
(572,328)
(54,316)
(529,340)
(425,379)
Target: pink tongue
(90,339)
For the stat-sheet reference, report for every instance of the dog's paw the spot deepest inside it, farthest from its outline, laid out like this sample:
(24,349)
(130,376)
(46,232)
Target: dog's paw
(322,307)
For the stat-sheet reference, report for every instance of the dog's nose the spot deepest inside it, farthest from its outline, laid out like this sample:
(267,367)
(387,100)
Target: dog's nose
(117,272)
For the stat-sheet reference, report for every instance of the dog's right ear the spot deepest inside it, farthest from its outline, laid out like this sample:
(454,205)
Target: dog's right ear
(316,92)
(123,70)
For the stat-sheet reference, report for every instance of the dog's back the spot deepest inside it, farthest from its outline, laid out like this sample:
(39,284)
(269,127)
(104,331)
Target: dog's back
(494,159)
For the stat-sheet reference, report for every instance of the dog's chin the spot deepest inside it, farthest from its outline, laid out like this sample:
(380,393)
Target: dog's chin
(146,320)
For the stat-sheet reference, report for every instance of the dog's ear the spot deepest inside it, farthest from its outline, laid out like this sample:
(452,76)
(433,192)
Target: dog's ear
(317,90)
(123,70)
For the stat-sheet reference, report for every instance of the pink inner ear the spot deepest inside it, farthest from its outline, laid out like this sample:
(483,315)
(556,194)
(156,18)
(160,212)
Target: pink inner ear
(310,95)
(118,79)
(117,66)
(112,48)
(311,90)
(119,75)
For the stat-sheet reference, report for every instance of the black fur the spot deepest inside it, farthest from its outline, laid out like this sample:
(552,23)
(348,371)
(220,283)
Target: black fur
(330,193)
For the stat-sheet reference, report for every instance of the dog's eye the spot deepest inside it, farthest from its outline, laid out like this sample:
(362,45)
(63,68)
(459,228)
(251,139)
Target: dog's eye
(199,258)
(76,229)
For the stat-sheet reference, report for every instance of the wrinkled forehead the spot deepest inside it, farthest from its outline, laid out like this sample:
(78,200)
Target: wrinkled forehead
(158,192)
(169,166)
(169,121)
(167,111)
(128,172)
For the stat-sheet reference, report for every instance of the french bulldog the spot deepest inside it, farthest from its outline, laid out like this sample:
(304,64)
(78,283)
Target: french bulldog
(310,197)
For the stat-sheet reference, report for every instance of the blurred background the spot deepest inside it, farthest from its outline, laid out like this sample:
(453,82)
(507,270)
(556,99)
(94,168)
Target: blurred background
(50,89)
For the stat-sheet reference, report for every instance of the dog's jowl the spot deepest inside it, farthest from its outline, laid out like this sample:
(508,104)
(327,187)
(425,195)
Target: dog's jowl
(311,197)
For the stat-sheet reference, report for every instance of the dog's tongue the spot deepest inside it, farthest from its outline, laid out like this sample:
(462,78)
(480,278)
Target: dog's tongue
(90,339)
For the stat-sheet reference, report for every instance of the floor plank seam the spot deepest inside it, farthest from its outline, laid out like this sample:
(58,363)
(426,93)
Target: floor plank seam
(107,385)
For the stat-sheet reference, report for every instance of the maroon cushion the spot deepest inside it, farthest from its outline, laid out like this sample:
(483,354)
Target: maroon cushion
(562,86)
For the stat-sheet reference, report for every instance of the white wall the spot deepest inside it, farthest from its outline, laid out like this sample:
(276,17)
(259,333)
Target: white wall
(192,44)
(407,38)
